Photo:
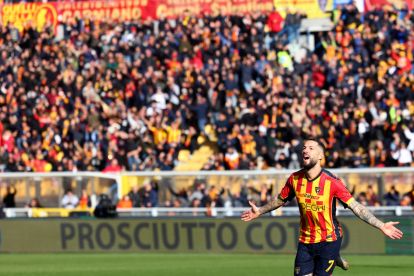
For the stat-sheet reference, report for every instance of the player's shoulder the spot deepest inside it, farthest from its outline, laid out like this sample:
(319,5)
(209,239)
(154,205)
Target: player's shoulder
(297,174)
(330,175)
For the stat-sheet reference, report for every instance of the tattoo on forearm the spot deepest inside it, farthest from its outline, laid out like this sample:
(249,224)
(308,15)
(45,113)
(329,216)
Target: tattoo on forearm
(272,205)
(363,213)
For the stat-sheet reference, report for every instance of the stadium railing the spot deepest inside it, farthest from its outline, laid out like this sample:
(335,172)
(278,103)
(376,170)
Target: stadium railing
(188,212)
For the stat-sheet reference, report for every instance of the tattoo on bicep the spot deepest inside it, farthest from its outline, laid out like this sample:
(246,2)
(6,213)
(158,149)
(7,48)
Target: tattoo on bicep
(272,205)
(363,213)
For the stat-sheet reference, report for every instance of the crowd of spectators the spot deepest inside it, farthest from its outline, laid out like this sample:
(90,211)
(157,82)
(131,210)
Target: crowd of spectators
(112,96)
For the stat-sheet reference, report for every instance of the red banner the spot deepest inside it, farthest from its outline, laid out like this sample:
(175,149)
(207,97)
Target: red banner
(174,8)
(40,14)
(122,10)
(372,4)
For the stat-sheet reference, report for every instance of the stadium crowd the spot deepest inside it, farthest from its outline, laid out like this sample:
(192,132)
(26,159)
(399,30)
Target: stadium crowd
(113,96)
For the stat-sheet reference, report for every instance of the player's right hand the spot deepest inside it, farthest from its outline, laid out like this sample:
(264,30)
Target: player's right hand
(250,214)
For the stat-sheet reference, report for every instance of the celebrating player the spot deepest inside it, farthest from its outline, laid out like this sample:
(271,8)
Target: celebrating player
(316,191)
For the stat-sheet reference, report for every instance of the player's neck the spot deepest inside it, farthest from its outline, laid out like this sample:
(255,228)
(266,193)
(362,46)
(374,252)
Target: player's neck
(313,172)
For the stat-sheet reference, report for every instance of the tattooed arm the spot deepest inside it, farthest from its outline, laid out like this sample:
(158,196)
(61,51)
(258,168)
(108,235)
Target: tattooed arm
(255,212)
(272,205)
(363,213)
(387,228)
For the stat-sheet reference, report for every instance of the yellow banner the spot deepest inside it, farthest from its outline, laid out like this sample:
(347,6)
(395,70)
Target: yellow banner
(36,14)
(57,212)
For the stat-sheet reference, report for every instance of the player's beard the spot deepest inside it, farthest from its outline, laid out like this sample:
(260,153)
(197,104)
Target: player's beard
(311,164)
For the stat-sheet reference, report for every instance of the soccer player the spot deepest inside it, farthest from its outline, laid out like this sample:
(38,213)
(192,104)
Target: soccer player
(316,191)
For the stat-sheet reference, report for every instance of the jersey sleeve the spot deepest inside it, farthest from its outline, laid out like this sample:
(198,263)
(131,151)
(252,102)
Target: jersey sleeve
(341,192)
(287,193)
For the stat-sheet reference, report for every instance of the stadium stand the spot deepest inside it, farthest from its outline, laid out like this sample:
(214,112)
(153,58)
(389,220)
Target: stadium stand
(206,92)
(141,92)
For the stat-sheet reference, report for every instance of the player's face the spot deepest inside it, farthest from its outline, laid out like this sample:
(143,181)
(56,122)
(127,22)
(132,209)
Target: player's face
(311,154)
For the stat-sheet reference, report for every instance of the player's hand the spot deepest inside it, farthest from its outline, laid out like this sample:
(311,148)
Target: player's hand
(391,231)
(251,214)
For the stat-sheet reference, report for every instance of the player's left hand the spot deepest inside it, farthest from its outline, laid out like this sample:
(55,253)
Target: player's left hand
(391,231)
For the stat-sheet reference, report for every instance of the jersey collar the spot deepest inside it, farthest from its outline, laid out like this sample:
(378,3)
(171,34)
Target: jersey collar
(316,177)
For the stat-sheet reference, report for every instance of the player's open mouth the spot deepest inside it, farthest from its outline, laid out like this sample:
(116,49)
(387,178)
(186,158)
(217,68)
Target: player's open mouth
(306,157)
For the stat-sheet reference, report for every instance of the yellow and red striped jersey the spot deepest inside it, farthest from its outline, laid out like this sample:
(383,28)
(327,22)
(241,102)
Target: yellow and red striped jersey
(317,204)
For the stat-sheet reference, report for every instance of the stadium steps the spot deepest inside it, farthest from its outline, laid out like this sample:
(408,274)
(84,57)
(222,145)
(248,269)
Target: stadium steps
(195,161)
(211,133)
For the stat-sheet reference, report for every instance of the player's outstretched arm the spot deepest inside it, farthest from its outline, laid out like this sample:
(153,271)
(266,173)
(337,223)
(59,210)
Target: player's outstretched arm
(255,212)
(387,228)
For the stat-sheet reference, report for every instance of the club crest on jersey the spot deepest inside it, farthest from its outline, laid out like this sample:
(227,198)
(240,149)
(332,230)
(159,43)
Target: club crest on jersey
(297,270)
(317,190)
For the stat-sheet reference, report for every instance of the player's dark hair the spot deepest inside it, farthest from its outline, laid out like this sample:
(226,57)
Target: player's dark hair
(320,143)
